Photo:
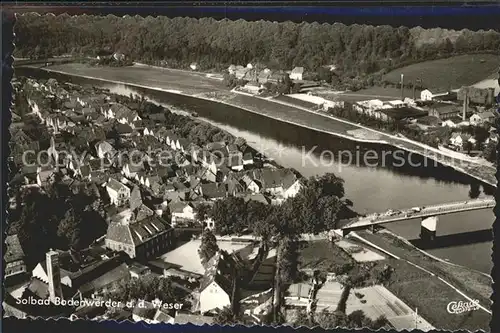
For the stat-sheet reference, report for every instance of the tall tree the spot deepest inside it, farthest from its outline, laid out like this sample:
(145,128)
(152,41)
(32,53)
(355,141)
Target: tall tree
(202,212)
(289,259)
(208,246)
(70,228)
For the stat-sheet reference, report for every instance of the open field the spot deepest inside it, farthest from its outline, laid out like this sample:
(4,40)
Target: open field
(474,284)
(453,72)
(322,255)
(176,80)
(431,296)
(387,93)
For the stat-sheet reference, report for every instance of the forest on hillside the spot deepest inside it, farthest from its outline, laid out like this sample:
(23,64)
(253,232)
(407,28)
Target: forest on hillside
(356,50)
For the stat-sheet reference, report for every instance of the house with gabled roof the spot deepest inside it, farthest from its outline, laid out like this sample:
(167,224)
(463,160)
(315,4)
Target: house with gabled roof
(259,197)
(161,134)
(213,191)
(264,75)
(150,314)
(297,73)
(119,193)
(181,211)
(234,185)
(235,162)
(247,158)
(121,113)
(105,149)
(149,130)
(482,117)
(183,144)
(458,139)
(45,175)
(131,169)
(251,184)
(217,287)
(278,181)
(240,72)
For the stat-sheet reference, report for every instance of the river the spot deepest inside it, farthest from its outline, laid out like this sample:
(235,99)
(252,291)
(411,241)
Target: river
(372,189)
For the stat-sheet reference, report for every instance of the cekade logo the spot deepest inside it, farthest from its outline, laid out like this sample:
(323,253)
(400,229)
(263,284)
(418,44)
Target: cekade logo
(461,307)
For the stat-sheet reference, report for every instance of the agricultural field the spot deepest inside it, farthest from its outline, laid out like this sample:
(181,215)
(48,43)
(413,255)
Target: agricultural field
(431,296)
(449,73)
(473,283)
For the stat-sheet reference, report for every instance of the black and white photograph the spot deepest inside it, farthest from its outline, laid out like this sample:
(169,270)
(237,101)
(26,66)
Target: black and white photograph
(196,170)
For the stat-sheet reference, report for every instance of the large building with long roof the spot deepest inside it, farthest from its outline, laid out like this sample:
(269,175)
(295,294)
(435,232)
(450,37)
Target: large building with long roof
(142,239)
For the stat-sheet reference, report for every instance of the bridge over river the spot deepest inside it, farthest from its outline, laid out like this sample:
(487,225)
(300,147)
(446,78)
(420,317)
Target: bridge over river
(415,213)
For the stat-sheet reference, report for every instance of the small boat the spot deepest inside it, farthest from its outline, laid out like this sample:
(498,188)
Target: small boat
(194,114)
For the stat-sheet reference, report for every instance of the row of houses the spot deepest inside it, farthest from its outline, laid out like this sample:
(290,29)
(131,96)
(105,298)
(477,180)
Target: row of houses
(147,201)
(250,73)
(447,113)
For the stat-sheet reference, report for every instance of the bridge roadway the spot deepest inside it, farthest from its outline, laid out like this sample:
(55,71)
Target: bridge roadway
(411,213)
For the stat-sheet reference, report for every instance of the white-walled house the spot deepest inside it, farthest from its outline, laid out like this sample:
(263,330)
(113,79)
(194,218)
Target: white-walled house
(105,150)
(151,313)
(119,194)
(297,73)
(292,190)
(130,170)
(481,118)
(427,95)
(448,123)
(458,139)
(217,286)
(148,131)
(181,211)
(250,184)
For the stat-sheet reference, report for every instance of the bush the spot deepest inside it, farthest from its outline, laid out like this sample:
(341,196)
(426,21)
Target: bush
(359,295)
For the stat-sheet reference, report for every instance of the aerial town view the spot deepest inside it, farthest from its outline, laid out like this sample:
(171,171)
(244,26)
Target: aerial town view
(202,171)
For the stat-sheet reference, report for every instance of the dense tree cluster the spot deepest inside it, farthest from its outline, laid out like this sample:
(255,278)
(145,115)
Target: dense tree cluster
(226,316)
(356,319)
(315,208)
(177,42)
(288,259)
(57,218)
(208,246)
(147,289)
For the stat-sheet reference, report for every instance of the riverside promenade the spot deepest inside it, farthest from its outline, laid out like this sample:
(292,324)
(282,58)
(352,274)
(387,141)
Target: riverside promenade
(201,85)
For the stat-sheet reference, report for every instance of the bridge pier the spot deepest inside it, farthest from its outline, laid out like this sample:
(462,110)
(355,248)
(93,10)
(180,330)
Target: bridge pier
(428,228)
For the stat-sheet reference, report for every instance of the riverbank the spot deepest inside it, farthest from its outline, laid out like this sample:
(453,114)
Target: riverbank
(484,172)
(429,284)
(198,86)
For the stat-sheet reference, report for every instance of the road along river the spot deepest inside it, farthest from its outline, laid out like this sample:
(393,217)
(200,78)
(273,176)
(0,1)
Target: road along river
(373,187)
